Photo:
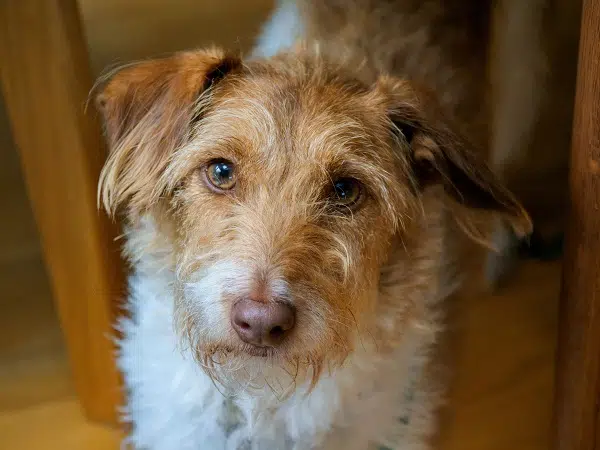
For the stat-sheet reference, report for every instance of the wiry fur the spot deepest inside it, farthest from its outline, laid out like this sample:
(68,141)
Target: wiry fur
(505,68)
(367,284)
(174,405)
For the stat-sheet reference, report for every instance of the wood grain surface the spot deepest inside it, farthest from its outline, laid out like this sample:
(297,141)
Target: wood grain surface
(45,79)
(577,417)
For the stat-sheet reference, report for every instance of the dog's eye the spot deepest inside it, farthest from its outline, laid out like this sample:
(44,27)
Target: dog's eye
(221,175)
(347,191)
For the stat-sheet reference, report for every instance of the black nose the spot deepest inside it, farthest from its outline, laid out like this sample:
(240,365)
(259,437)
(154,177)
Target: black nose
(262,324)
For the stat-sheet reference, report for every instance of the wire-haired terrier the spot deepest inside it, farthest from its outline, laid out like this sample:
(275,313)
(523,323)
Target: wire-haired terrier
(289,224)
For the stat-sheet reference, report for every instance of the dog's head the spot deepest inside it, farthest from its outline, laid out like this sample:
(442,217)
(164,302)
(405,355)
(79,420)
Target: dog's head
(284,188)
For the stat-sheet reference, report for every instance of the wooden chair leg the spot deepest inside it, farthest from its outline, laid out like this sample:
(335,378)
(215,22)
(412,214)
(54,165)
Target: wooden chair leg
(577,403)
(45,79)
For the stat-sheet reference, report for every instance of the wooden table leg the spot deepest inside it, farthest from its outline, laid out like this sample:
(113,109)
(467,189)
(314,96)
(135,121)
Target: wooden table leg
(577,403)
(45,80)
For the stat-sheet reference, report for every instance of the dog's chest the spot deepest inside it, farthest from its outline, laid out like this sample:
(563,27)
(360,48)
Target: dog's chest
(338,414)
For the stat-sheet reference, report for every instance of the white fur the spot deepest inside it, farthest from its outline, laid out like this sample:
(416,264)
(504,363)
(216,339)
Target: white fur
(205,293)
(174,405)
(281,31)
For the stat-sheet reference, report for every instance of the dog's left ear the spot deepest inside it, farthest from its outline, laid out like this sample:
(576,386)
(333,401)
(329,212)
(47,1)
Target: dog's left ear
(440,155)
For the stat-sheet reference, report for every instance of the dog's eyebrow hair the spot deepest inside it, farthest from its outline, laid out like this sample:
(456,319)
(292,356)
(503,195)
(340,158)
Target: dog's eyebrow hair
(373,176)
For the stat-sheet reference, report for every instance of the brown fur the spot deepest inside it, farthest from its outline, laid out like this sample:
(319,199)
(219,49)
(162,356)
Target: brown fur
(291,125)
(504,68)
(155,108)
(439,44)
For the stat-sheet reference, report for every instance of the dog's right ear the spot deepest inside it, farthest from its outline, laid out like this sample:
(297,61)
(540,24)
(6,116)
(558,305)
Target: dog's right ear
(148,110)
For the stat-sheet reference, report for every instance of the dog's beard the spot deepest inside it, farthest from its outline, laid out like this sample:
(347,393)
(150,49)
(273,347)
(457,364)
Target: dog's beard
(236,366)
(237,370)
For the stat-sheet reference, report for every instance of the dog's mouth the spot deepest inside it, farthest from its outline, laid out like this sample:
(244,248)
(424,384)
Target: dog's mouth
(259,351)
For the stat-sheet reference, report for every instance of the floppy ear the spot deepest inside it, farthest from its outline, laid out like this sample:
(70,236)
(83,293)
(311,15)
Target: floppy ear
(440,155)
(148,110)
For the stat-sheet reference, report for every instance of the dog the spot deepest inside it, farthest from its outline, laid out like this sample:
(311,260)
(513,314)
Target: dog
(292,222)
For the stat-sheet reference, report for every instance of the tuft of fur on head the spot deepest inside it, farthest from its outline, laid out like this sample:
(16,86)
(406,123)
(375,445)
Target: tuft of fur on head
(290,125)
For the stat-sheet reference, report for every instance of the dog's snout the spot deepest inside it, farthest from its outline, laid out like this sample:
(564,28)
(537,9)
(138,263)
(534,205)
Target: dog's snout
(262,324)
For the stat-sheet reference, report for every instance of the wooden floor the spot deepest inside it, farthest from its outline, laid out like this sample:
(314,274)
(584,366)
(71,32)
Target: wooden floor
(501,397)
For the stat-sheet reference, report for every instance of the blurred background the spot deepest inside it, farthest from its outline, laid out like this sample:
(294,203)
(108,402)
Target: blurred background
(502,391)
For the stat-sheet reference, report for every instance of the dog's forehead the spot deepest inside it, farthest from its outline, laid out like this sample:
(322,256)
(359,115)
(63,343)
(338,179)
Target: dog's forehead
(305,118)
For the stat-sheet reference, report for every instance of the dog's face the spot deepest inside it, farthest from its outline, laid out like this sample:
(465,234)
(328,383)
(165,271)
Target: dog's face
(284,189)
